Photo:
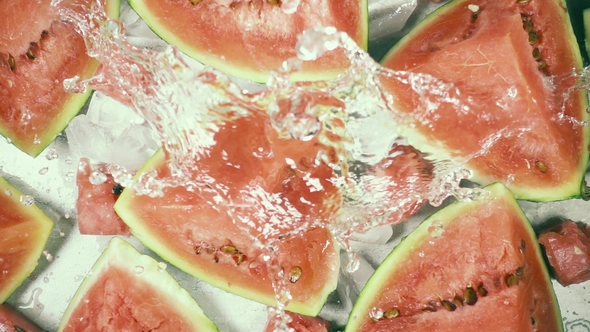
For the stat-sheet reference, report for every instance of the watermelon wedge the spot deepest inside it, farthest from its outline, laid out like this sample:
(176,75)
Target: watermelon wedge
(199,236)
(512,62)
(472,265)
(37,52)
(24,231)
(248,39)
(12,320)
(127,291)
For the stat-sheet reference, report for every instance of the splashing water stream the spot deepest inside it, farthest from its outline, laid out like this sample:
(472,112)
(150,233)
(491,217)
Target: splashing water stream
(187,108)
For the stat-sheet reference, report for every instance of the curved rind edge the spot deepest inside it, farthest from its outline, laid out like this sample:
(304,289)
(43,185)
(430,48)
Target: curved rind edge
(126,212)
(243,73)
(421,234)
(70,109)
(570,189)
(45,225)
(123,255)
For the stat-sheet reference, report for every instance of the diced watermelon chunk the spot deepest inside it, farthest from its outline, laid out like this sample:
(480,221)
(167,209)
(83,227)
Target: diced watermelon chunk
(96,215)
(12,320)
(567,246)
(299,323)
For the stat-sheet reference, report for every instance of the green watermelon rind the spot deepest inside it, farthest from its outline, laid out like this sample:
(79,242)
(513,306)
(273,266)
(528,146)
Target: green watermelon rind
(245,73)
(70,109)
(32,213)
(121,254)
(421,235)
(568,190)
(311,307)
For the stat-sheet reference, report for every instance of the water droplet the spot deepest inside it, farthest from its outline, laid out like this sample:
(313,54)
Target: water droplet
(8,140)
(97,178)
(70,176)
(34,304)
(253,264)
(48,256)
(376,314)
(46,280)
(8,192)
(62,234)
(78,277)
(27,200)
(68,160)
(421,254)
(162,266)
(52,154)
(36,140)
(436,229)
(138,269)
(43,170)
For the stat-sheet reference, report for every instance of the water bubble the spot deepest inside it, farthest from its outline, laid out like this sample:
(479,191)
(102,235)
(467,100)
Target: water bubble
(97,178)
(43,170)
(27,200)
(52,154)
(70,176)
(436,229)
(138,269)
(162,266)
(376,314)
(48,256)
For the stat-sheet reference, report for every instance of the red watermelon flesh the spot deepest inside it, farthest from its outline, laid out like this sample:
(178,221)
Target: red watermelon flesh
(12,320)
(198,235)
(462,264)
(299,323)
(567,247)
(37,52)
(514,94)
(94,205)
(127,291)
(248,39)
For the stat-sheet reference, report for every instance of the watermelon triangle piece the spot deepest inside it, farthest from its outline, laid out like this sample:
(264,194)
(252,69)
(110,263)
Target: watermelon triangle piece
(127,291)
(471,266)
(24,231)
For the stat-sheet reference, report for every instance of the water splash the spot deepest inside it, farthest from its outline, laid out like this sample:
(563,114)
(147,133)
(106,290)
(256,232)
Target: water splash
(188,108)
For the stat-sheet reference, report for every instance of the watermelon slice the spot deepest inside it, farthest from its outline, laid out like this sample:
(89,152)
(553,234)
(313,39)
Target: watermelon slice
(199,236)
(12,320)
(24,230)
(501,55)
(567,247)
(37,52)
(127,291)
(299,323)
(248,39)
(472,265)
(95,202)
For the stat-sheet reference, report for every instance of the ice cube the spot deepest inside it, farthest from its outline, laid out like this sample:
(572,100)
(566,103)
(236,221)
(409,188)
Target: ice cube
(389,16)
(376,235)
(133,147)
(110,114)
(350,284)
(87,139)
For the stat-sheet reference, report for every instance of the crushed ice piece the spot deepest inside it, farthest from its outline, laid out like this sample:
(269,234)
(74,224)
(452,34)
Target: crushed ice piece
(376,235)
(387,17)
(350,284)
(133,147)
(473,8)
(87,139)
(110,114)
